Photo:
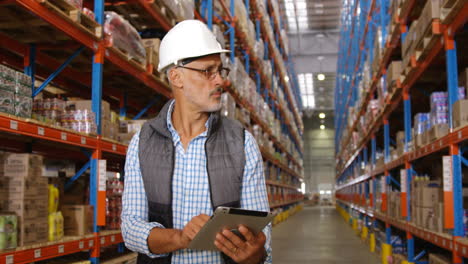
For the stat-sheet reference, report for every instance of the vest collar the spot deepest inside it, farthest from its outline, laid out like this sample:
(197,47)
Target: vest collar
(159,123)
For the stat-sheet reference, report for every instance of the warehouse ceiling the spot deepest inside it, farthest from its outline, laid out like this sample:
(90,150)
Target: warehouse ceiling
(313,29)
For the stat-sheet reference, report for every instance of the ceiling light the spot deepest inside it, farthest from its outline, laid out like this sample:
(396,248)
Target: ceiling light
(322,115)
(318,5)
(286,78)
(321,89)
(321,76)
(320,58)
(322,127)
(320,35)
(319,11)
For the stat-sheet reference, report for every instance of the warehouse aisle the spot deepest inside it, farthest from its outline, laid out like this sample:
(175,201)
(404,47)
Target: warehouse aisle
(318,235)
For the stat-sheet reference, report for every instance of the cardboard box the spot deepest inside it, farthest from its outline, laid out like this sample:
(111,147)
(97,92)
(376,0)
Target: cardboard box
(419,140)
(78,219)
(22,188)
(398,258)
(430,11)
(408,44)
(393,74)
(400,139)
(438,131)
(131,126)
(26,209)
(33,231)
(460,113)
(438,259)
(22,165)
(86,105)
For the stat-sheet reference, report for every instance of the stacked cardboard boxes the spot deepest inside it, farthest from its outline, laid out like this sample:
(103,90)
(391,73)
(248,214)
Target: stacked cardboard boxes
(394,205)
(128,128)
(427,205)
(24,192)
(78,219)
(438,259)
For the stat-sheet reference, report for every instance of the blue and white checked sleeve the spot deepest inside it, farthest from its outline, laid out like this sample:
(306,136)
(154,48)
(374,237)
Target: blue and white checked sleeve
(254,193)
(135,226)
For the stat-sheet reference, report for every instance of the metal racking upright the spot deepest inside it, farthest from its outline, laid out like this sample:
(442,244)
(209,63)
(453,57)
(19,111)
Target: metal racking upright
(85,43)
(363,186)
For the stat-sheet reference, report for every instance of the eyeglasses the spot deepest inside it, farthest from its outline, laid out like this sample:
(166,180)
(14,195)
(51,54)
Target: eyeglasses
(209,73)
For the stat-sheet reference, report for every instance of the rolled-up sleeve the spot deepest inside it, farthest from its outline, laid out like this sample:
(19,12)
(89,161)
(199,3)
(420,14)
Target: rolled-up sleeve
(254,193)
(135,225)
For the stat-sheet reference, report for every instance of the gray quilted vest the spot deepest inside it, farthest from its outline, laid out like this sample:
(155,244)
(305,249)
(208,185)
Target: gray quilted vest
(225,160)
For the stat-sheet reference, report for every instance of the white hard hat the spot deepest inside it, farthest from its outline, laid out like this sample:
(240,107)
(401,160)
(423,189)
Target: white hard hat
(188,39)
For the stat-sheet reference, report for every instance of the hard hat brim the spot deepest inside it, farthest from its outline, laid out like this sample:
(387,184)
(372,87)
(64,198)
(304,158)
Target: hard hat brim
(162,68)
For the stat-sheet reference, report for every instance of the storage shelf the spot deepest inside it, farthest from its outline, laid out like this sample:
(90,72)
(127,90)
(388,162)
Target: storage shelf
(442,240)
(36,129)
(408,82)
(454,137)
(275,183)
(258,121)
(281,204)
(68,245)
(271,47)
(414,75)
(276,162)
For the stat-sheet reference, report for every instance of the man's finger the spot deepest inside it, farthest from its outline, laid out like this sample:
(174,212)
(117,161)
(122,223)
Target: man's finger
(237,241)
(249,236)
(225,250)
(220,238)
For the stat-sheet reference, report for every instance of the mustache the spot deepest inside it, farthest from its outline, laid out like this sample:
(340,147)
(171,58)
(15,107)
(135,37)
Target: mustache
(217,90)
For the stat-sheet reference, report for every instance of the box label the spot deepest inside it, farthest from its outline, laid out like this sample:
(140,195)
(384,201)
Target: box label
(447,172)
(102,164)
(91,243)
(61,249)
(9,259)
(63,136)
(403,180)
(37,253)
(83,140)
(13,124)
(81,246)
(40,131)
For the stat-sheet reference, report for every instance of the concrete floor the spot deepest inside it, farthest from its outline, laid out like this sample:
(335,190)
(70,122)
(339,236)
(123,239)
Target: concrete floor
(319,235)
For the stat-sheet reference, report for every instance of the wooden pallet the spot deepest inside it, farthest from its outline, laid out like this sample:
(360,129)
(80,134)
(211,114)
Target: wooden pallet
(450,9)
(63,8)
(409,66)
(90,25)
(428,39)
(70,12)
(125,55)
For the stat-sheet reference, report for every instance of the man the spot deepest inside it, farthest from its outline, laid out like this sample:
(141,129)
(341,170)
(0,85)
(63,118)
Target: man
(189,160)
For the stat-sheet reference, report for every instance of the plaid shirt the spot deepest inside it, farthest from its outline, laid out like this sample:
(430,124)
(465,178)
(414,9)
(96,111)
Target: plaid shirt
(191,195)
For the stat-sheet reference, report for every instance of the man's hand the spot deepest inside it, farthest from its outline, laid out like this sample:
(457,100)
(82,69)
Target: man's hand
(192,228)
(250,251)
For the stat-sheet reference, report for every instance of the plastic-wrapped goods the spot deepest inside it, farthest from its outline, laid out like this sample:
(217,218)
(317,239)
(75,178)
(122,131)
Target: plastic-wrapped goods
(421,121)
(76,3)
(122,35)
(219,35)
(182,9)
(8,231)
(23,106)
(79,120)
(89,13)
(7,102)
(439,108)
(7,78)
(241,14)
(228,106)
(461,93)
(259,49)
(250,33)
(23,84)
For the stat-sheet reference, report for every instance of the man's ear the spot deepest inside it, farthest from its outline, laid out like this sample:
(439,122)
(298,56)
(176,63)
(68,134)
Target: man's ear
(175,78)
